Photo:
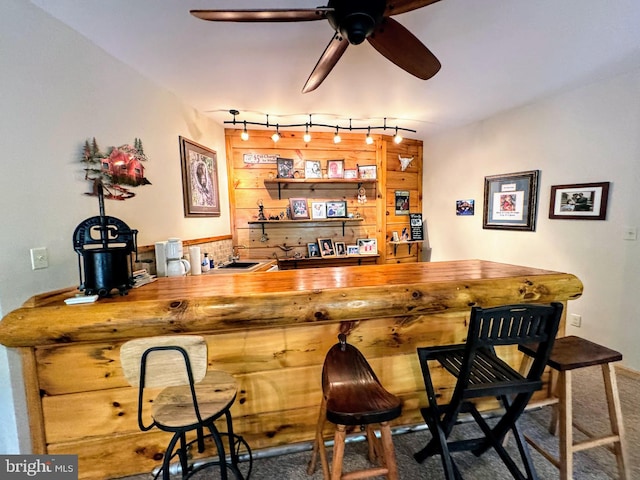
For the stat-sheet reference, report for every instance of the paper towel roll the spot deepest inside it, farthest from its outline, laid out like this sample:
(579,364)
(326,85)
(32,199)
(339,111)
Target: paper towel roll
(196,264)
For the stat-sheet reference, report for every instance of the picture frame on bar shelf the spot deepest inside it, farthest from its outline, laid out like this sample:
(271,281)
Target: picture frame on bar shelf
(312,169)
(318,210)
(510,201)
(579,201)
(337,209)
(341,249)
(367,246)
(327,248)
(201,195)
(335,168)
(367,172)
(299,208)
(313,250)
(350,173)
(352,250)
(285,167)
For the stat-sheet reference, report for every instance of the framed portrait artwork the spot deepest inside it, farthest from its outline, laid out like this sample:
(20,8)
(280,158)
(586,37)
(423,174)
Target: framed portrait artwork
(402,202)
(350,173)
(352,250)
(337,209)
(200,191)
(341,249)
(367,171)
(510,201)
(318,210)
(367,246)
(312,169)
(580,201)
(327,249)
(313,250)
(285,167)
(299,208)
(335,168)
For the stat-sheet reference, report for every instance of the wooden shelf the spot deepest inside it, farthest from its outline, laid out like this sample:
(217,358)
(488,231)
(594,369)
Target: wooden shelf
(405,242)
(348,181)
(310,220)
(316,262)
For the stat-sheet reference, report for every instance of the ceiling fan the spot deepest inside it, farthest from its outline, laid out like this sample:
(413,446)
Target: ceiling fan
(354,21)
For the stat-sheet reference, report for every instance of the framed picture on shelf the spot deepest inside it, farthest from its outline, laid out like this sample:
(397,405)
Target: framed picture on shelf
(580,201)
(350,173)
(318,210)
(337,209)
(367,171)
(312,169)
(510,201)
(367,246)
(352,250)
(402,202)
(335,168)
(199,180)
(299,208)
(327,249)
(285,167)
(313,250)
(341,249)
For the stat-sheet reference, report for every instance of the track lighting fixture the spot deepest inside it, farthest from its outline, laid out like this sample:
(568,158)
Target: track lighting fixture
(308,125)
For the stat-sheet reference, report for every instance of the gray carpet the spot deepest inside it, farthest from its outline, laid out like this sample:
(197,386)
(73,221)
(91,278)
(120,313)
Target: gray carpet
(593,464)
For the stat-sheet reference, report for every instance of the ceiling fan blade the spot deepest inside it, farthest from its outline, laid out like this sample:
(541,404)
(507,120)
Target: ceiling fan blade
(396,7)
(328,60)
(268,15)
(400,46)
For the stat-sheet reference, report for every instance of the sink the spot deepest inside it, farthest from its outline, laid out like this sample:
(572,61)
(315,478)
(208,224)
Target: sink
(239,265)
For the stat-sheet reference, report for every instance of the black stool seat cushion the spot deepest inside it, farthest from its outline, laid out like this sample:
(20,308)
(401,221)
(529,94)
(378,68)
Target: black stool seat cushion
(573,352)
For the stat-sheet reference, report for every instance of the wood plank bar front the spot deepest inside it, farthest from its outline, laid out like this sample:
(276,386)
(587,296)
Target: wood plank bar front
(271,330)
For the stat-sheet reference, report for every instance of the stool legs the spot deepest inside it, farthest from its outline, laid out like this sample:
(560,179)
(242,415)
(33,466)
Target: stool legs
(615,417)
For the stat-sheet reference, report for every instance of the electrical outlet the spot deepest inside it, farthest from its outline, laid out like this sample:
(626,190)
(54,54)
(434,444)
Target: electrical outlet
(576,320)
(630,233)
(39,258)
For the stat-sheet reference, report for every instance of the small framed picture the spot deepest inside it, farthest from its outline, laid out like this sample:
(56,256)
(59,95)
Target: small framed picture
(318,210)
(335,168)
(367,246)
(402,202)
(350,173)
(367,171)
(352,250)
(337,209)
(327,249)
(465,207)
(341,249)
(299,208)
(579,201)
(312,169)
(395,237)
(314,250)
(285,167)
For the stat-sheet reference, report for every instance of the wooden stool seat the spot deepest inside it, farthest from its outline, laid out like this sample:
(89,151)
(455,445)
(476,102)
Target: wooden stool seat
(352,395)
(570,353)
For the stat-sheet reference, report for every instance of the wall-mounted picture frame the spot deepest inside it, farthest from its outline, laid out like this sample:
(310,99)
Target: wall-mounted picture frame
(335,168)
(299,208)
(313,250)
(341,249)
(337,209)
(352,250)
(201,195)
(318,210)
(350,173)
(285,168)
(312,169)
(465,207)
(510,201)
(367,171)
(402,202)
(579,201)
(327,249)
(367,246)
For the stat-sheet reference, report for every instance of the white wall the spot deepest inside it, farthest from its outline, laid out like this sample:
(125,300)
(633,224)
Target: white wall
(591,134)
(57,90)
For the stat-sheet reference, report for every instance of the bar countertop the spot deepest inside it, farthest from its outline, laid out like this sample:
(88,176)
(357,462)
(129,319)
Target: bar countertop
(264,299)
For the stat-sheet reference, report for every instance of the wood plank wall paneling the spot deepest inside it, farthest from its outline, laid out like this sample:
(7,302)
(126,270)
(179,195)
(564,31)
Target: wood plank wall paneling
(247,188)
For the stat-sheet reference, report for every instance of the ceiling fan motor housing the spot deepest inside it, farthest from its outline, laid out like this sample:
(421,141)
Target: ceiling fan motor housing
(356,20)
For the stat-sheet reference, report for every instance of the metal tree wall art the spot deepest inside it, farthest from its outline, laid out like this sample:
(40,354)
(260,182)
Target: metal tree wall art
(122,167)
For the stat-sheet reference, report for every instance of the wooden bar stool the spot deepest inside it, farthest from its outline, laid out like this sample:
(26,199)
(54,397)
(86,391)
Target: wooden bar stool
(353,396)
(571,353)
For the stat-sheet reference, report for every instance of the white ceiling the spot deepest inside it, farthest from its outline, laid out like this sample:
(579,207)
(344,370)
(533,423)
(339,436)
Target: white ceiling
(495,55)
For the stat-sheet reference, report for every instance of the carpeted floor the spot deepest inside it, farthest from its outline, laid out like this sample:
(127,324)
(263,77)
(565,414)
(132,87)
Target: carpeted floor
(589,407)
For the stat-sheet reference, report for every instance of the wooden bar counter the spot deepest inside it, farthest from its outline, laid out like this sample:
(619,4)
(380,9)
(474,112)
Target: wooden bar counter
(271,330)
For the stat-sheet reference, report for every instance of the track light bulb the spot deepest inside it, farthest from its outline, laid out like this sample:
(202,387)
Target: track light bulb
(275,137)
(369,139)
(398,138)
(307,136)
(336,138)
(244,135)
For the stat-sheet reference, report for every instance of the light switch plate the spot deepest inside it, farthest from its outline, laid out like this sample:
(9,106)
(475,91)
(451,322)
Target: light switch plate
(39,258)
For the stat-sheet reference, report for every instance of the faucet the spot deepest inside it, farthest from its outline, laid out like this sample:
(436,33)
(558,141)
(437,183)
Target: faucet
(235,254)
